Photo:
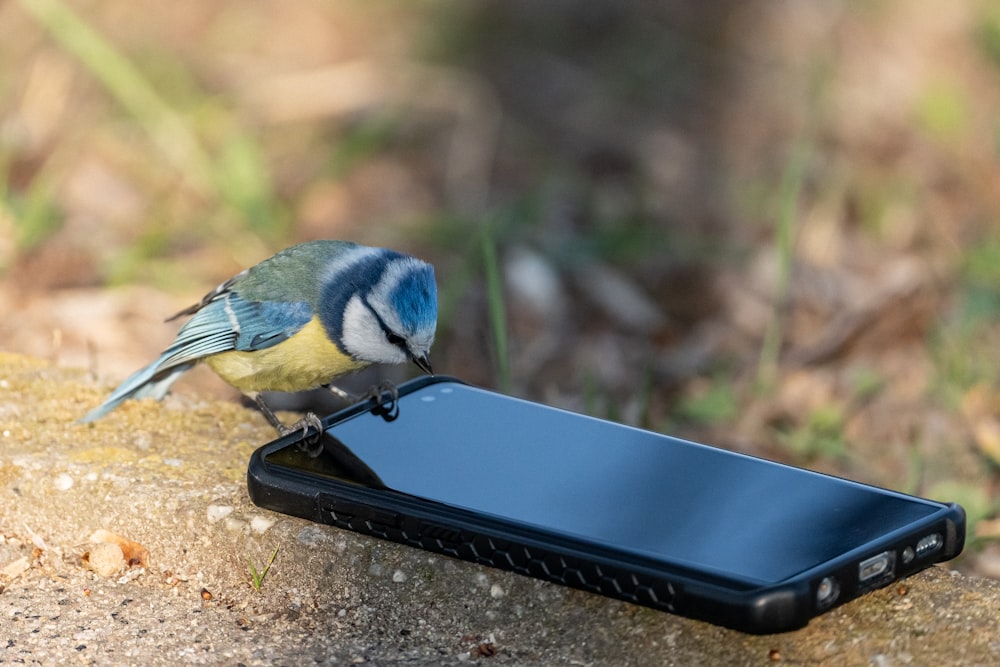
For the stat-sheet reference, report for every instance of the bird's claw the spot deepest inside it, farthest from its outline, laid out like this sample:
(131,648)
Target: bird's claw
(309,443)
(386,409)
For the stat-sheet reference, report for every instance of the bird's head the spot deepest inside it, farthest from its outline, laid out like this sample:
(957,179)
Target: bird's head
(390,316)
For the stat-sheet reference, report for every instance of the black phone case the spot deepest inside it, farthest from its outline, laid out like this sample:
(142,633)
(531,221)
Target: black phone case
(458,533)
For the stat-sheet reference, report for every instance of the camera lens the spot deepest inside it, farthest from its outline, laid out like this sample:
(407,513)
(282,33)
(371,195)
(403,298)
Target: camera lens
(827,592)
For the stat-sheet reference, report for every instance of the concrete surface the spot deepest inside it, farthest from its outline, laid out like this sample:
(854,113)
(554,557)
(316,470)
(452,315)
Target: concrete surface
(164,486)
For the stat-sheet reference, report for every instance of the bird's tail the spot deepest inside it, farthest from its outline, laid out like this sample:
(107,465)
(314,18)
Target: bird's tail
(153,381)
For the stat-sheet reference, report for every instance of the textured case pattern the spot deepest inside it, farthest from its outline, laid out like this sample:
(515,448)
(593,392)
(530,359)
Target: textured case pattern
(504,554)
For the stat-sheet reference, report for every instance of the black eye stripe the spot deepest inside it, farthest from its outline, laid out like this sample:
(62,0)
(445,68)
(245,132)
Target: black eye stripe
(393,337)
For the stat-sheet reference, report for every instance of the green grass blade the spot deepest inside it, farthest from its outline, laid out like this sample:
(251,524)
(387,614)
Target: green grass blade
(257,578)
(168,131)
(497,309)
(788,204)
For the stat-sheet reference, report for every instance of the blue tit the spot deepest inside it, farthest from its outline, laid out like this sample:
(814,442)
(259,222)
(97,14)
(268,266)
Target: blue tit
(298,320)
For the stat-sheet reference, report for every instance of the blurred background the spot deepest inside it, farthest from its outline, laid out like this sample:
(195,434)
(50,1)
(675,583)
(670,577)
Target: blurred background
(770,226)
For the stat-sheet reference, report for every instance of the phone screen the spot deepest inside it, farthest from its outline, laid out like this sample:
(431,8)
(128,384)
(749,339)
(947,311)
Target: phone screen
(741,517)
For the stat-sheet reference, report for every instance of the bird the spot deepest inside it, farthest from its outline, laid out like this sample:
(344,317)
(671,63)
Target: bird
(298,320)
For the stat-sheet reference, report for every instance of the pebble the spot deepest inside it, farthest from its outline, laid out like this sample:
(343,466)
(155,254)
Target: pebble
(62,482)
(15,568)
(534,283)
(234,525)
(104,558)
(313,536)
(620,298)
(260,524)
(217,512)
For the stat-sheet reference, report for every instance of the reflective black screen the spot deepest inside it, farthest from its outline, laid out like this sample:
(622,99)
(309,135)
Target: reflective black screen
(615,485)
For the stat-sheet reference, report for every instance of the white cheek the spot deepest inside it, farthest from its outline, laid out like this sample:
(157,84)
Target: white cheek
(363,337)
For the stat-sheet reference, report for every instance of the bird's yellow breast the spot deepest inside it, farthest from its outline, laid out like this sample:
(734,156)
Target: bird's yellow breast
(305,361)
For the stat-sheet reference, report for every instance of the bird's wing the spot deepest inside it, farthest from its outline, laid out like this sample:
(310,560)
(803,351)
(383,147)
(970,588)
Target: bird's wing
(217,293)
(229,322)
(287,276)
(221,323)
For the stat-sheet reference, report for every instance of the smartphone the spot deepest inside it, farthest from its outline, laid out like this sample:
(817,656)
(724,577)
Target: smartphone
(682,527)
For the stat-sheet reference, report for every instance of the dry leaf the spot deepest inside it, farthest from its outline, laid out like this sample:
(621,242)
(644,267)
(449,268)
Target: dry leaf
(133,552)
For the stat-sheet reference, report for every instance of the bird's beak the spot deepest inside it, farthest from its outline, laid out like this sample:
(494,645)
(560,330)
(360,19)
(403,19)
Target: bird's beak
(423,363)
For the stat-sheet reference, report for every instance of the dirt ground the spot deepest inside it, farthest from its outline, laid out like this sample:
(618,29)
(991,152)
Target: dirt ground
(130,541)
(771,226)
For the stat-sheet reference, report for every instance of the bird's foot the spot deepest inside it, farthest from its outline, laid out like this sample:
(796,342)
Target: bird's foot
(386,409)
(310,444)
(310,420)
(343,395)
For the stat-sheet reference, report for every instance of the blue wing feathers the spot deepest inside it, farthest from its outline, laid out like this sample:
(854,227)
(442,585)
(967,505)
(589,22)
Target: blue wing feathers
(221,325)
(148,382)
(267,323)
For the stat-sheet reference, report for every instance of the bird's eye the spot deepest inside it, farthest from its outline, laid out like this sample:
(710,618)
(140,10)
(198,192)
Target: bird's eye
(395,339)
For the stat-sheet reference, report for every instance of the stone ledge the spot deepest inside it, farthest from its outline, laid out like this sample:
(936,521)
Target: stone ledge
(169,478)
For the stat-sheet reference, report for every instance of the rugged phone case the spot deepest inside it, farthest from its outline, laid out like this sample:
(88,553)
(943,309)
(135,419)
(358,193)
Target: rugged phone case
(463,534)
